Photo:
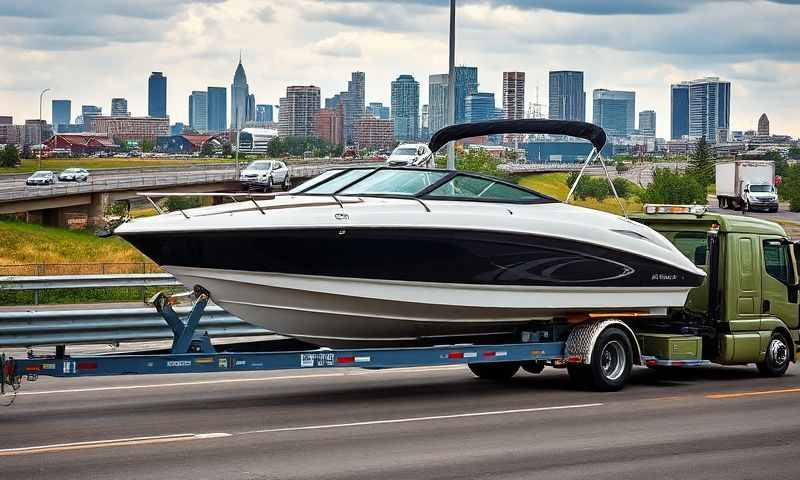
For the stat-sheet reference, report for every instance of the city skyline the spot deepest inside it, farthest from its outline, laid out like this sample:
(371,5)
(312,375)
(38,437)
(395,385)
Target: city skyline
(347,41)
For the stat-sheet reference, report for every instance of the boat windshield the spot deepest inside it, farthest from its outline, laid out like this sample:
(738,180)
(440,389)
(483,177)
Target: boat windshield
(394,182)
(340,181)
(479,188)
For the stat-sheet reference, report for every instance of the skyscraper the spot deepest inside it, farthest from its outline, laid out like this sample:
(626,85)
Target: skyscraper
(763,125)
(405,107)
(217,109)
(86,112)
(250,114)
(466,84)
(647,123)
(119,107)
(514,95)
(437,102)
(157,95)
(263,113)
(567,97)
(240,97)
(330,124)
(299,111)
(353,103)
(198,111)
(377,110)
(479,107)
(703,106)
(614,111)
(62,113)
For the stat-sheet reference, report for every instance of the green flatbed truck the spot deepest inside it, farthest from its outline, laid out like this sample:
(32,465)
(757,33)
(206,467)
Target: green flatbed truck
(746,311)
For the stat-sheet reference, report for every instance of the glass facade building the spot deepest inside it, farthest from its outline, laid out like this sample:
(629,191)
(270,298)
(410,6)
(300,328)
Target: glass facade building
(198,111)
(701,108)
(647,123)
(466,84)
(480,107)
(62,113)
(405,107)
(378,110)
(437,102)
(614,111)
(566,95)
(217,109)
(264,113)
(157,95)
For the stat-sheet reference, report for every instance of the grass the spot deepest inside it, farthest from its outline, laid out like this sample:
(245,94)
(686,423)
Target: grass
(58,164)
(23,243)
(554,185)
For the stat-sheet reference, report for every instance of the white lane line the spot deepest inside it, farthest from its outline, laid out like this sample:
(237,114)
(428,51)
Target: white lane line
(421,419)
(240,380)
(117,442)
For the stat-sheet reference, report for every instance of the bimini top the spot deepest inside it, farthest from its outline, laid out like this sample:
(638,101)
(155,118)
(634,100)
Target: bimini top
(588,131)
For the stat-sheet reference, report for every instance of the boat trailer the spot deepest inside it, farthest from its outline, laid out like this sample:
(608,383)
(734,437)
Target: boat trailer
(193,352)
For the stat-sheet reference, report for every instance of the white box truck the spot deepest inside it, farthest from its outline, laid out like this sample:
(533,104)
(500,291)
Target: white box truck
(747,185)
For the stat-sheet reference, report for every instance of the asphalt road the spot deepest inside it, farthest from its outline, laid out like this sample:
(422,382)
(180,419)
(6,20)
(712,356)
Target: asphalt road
(418,423)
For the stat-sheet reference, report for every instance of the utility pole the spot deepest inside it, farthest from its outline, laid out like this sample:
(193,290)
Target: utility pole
(451,86)
(41,130)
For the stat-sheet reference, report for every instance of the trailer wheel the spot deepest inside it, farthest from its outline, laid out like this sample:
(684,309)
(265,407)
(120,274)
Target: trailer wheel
(612,358)
(534,367)
(497,371)
(777,358)
(721,202)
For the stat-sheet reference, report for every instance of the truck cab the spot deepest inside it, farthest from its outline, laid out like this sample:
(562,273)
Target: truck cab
(746,310)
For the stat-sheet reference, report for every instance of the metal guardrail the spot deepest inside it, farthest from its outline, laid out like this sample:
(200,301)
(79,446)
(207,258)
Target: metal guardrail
(17,283)
(65,327)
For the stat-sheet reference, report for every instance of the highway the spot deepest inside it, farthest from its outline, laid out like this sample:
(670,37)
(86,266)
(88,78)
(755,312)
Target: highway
(420,423)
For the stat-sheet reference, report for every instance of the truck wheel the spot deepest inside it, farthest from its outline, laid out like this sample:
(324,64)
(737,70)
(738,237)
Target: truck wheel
(721,202)
(499,371)
(777,358)
(534,367)
(612,358)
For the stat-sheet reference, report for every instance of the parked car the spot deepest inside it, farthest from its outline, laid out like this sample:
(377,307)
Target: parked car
(74,175)
(411,155)
(265,174)
(42,177)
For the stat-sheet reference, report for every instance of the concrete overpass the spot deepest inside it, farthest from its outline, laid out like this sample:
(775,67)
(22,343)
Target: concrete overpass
(72,204)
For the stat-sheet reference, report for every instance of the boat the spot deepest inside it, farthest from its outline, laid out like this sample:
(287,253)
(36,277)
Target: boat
(391,256)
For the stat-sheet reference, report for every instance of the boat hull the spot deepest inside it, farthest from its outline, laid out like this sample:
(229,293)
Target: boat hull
(350,312)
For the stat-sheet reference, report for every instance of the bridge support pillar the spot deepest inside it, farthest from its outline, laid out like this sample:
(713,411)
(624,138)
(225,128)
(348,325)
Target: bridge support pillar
(97,208)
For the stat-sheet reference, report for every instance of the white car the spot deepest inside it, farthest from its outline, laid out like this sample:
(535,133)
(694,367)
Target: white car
(411,155)
(266,174)
(42,177)
(74,175)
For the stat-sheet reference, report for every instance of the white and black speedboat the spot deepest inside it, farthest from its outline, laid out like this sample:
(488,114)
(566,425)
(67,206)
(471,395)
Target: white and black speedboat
(399,256)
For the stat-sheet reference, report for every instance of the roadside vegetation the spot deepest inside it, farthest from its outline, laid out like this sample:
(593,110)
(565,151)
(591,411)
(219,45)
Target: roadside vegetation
(557,186)
(58,164)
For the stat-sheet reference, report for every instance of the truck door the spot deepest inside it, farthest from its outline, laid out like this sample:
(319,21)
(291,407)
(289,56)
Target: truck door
(778,294)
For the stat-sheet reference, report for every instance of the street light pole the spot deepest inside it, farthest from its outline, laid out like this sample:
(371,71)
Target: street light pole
(41,130)
(238,139)
(451,86)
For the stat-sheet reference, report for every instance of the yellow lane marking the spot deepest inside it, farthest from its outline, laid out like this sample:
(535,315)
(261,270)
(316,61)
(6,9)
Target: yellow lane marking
(754,393)
(119,442)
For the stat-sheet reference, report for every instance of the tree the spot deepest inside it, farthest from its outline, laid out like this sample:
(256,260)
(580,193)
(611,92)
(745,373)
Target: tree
(227,150)
(26,152)
(794,153)
(147,145)
(674,188)
(781,165)
(9,157)
(207,150)
(701,163)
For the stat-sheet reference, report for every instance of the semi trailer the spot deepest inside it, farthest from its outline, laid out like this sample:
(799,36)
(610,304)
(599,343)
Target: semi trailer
(745,312)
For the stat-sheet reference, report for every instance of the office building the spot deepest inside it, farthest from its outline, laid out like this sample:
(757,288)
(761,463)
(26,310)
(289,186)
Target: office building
(566,95)
(217,109)
(479,107)
(198,111)
(377,110)
(36,131)
(299,111)
(353,101)
(157,95)
(405,107)
(86,112)
(264,113)
(614,111)
(763,125)
(424,126)
(240,98)
(647,123)
(373,133)
(330,125)
(466,84)
(514,95)
(128,128)
(119,107)
(701,108)
(62,113)
(6,120)
(437,102)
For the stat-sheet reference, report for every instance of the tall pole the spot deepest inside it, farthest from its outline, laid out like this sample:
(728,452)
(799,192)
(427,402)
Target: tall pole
(238,138)
(41,130)
(451,86)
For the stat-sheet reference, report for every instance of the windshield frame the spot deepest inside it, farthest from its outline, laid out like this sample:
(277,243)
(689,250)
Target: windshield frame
(424,193)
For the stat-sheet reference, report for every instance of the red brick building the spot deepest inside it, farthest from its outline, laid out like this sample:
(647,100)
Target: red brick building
(80,143)
(330,125)
(374,133)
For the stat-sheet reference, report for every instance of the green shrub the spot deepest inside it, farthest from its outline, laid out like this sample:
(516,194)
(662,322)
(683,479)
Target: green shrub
(673,188)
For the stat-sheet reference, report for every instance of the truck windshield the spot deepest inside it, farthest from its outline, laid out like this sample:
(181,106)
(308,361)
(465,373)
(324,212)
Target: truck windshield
(760,188)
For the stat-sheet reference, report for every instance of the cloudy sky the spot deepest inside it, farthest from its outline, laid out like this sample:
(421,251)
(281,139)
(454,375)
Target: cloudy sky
(92,50)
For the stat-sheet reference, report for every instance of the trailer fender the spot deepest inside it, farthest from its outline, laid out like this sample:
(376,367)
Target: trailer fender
(582,338)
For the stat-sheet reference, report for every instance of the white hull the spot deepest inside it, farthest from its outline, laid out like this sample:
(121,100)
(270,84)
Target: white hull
(353,312)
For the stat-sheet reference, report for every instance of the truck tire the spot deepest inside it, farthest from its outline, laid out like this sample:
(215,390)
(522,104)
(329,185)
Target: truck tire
(612,359)
(777,358)
(497,371)
(534,367)
(721,202)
